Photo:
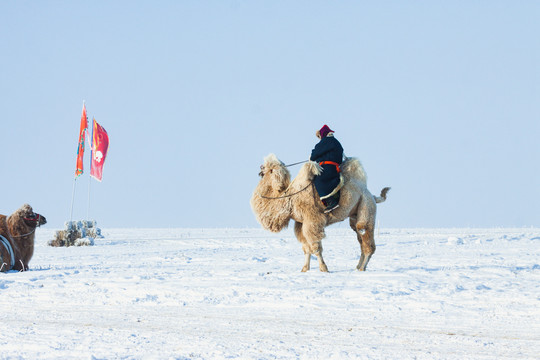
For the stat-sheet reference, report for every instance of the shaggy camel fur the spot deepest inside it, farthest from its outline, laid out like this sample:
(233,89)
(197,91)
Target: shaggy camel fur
(17,233)
(276,200)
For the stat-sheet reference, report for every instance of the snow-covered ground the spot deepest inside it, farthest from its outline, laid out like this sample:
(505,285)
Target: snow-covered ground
(239,293)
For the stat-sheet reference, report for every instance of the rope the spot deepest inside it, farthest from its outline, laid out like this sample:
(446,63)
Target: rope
(300,162)
(17,236)
(285,196)
(290,195)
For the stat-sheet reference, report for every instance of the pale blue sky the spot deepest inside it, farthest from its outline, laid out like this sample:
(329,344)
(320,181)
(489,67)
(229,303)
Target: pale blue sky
(439,99)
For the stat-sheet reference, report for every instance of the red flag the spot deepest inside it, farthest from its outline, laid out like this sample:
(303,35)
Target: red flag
(100,146)
(80,148)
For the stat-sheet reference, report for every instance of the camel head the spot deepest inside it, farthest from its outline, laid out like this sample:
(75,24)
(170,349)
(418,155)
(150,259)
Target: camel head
(271,211)
(275,174)
(30,218)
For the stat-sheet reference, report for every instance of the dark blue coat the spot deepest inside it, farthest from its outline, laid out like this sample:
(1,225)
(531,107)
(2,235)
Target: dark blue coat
(328,149)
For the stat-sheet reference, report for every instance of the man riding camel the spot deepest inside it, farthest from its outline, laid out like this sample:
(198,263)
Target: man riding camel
(329,154)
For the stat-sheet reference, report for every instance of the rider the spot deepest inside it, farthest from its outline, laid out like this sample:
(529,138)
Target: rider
(329,154)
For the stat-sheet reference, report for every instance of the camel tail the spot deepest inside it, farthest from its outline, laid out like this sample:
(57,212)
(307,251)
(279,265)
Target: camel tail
(382,198)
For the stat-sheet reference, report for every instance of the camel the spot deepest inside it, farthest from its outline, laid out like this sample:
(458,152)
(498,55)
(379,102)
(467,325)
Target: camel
(276,200)
(17,234)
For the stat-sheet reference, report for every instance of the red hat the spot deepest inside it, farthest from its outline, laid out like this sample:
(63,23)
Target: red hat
(324,131)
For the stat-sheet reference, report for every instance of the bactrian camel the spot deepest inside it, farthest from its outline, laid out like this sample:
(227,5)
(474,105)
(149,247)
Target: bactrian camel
(17,233)
(276,200)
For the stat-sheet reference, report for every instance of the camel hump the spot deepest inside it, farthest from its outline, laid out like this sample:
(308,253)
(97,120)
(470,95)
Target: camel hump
(352,169)
(308,171)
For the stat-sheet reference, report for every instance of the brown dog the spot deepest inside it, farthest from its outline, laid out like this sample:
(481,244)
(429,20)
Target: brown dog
(17,234)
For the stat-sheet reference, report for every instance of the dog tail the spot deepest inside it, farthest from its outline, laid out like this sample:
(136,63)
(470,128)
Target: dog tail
(382,198)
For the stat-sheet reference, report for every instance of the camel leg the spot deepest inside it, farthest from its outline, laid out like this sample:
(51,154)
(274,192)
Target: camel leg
(322,264)
(305,246)
(311,237)
(352,223)
(367,246)
(307,253)
(315,237)
(362,264)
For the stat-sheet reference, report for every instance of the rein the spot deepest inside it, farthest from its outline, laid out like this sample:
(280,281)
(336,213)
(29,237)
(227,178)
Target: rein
(286,196)
(36,220)
(300,162)
(18,236)
(290,195)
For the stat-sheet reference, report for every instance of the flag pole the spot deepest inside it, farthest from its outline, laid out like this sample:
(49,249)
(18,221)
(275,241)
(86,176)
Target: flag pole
(88,208)
(89,136)
(72,200)
(79,148)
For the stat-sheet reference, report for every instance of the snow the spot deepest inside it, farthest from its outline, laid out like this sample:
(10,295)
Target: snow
(239,294)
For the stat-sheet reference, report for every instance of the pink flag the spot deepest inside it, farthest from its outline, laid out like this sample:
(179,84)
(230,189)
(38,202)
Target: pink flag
(100,146)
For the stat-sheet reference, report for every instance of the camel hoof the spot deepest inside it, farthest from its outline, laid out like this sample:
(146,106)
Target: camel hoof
(362,264)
